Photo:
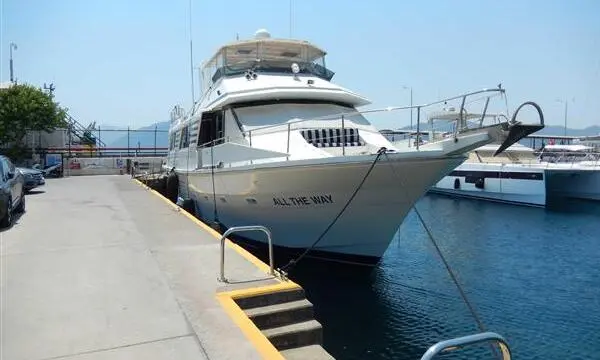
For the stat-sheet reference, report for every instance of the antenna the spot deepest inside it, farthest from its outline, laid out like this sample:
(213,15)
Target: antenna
(290,19)
(191,57)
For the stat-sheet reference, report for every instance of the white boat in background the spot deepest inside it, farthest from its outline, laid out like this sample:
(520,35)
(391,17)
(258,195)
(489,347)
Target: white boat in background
(511,177)
(274,142)
(523,176)
(572,171)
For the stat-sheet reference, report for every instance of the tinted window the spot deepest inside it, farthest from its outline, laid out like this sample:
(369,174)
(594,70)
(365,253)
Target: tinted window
(2,172)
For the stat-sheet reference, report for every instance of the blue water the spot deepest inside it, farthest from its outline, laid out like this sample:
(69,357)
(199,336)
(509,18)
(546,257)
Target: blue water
(532,275)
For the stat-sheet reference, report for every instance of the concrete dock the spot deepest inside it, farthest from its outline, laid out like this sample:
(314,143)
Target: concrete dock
(101,268)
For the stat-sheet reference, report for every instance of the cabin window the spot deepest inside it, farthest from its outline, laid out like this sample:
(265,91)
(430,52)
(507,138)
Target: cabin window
(193,130)
(212,129)
(185,138)
(172,141)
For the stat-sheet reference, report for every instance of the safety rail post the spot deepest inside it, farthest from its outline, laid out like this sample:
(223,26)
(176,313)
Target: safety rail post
(463,122)
(487,102)
(343,136)
(288,141)
(457,343)
(418,126)
(240,229)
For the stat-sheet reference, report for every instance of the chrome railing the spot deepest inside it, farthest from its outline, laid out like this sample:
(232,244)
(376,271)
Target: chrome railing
(459,343)
(591,160)
(344,116)
(240,229)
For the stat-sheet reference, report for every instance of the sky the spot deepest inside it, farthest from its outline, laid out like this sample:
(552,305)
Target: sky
(127,63)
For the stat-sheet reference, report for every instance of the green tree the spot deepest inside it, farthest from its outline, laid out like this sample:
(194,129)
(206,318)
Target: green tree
(24,107)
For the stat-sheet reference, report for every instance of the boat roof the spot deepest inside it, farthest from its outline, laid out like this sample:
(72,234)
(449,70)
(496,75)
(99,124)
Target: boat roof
(567,147)
(268,47)
(513,148)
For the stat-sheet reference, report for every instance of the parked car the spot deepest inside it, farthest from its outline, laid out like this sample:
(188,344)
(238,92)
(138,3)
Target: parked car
(50,171)
(33,178)
(12,192)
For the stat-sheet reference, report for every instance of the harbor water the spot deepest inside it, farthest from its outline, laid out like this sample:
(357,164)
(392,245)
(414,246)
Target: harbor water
(532,275)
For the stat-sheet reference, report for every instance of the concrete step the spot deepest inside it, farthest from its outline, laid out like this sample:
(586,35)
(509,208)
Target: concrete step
(271,316)
(295,335)
(312,352)
(270,299)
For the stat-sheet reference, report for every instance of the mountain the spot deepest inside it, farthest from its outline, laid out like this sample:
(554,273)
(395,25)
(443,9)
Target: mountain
(560,130)
(546,131)
(143,136)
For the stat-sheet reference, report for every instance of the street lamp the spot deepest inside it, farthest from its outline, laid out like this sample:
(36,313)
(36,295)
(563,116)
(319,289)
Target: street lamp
(566,102)
(12,46)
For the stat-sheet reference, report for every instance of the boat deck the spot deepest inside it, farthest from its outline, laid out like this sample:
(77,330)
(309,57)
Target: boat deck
(99,267)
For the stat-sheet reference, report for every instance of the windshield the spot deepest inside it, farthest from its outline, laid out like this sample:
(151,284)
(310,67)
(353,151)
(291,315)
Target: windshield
(303,114)
(266,57)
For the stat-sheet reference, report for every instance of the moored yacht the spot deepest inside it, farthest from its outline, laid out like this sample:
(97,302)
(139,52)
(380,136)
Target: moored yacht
(512,177)
(572,171)
(274,142)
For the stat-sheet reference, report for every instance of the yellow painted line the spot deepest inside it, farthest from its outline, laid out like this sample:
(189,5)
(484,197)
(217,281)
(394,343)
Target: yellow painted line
(264,347)
(261,290)
(226,298)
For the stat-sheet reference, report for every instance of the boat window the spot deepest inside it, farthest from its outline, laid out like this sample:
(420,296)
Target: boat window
(260,114)
(266,57)
(212,129)
(172,141)
(185,138)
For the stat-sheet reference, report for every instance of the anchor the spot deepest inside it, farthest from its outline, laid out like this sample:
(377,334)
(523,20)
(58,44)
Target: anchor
(517,130)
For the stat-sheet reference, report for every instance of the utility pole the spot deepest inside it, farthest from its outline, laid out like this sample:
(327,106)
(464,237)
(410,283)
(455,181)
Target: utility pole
(50,88)
(566,101)
(13,46)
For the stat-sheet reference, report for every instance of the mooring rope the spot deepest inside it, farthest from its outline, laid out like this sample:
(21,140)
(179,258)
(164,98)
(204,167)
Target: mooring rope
(290,265)
(451,273)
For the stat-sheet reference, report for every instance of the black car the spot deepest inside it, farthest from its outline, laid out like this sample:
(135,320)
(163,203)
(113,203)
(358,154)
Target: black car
(12,194)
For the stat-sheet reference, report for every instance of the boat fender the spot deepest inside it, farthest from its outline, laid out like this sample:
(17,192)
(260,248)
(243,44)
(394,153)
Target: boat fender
(457,184)
(480,183)
(172,187)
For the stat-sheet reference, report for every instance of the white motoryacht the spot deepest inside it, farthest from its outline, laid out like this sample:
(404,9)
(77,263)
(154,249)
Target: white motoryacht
(272,141)
(523,176)
(572,171)
(511,177)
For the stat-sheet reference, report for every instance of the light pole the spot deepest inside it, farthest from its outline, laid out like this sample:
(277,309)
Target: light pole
(12,46)
(566,102)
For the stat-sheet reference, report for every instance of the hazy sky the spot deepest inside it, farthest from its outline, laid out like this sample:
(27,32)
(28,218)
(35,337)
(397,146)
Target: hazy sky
(127,62)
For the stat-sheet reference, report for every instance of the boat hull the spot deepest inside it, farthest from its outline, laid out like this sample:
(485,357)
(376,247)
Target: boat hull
(574,183)
(506,183)
(298,203)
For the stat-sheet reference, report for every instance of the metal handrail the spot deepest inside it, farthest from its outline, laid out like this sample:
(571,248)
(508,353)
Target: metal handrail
(240,229)
(338,116)
(457,343)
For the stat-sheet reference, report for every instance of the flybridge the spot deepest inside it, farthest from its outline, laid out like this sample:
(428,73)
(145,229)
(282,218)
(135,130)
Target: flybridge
(265,54)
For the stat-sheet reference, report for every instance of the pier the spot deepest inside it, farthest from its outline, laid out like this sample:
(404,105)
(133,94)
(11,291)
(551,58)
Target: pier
(103,267)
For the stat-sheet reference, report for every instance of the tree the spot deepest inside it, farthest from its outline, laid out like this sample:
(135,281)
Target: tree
(24,107)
